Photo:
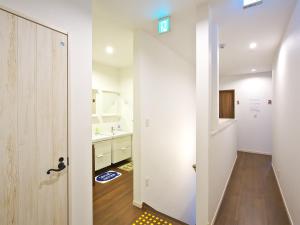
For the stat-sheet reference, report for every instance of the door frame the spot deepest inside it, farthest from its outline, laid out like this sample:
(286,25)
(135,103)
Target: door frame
(136,141)
(54,28)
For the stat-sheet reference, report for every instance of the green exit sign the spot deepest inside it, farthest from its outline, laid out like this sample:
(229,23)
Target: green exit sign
(164,25)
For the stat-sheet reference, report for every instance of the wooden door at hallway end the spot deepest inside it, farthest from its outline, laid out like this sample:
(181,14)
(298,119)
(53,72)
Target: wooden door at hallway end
(226,104)
(33,123)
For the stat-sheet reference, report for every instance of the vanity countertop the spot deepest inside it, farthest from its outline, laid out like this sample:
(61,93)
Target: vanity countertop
(109,136)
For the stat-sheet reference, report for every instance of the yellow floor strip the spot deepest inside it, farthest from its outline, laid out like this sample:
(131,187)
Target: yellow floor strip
(149,219)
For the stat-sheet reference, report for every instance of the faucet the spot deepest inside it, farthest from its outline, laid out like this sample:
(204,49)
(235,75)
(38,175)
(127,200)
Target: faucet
(113,130)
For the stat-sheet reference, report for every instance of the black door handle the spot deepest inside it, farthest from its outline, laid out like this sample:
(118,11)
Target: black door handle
(61,166)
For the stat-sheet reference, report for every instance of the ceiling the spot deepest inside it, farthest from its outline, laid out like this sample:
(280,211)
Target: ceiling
(114,22)
(135,13)
(263,24)
(107,33)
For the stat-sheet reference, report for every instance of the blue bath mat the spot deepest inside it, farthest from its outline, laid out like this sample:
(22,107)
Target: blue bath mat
(107,176)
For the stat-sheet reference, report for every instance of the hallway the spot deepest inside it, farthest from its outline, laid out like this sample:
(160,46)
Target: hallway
(252,196)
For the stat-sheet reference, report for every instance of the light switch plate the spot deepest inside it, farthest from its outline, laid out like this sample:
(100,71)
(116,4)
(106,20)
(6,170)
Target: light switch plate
(147,123)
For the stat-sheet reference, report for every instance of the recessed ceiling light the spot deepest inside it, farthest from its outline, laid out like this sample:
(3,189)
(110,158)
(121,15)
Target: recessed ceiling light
(253,70)
(253,45)
(109,50)
(249,3)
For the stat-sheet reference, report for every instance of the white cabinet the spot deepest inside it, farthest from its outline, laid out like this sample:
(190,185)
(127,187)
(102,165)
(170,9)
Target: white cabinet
(112,151)
(102,154)
(121,149)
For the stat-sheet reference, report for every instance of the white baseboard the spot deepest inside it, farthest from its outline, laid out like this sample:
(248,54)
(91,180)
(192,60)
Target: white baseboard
(137,204)
(254,151)
(221,199)
(281,192)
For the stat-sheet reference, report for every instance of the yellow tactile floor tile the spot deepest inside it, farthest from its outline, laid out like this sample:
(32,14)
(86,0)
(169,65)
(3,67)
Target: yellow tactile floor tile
(150,219)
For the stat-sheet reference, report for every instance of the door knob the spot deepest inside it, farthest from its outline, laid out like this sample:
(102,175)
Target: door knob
(61,166)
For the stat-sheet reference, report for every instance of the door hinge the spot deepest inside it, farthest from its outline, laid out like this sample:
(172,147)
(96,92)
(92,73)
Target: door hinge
(68,161)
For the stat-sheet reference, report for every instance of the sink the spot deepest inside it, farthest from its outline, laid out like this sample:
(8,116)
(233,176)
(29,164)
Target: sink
(117,133)
(110,135)
(121,133)
(97,137)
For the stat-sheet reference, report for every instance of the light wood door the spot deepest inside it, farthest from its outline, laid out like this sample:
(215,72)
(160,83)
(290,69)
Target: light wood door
(33,121)
(226,101)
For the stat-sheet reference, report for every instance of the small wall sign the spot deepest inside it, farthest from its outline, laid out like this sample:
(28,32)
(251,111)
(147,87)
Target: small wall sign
(164,25)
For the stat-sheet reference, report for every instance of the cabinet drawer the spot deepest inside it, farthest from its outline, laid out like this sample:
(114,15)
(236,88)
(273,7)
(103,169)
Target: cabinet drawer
(102,147)
(102,160)
(122,142)
(121,154)
(121,149)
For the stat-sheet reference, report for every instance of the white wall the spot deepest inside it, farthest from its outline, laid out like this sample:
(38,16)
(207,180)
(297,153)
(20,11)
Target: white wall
(222,156)
(286,120)
(222,134)
(216,140)
(203,113)
(165,117)
(126,89)
(254,122)
(75,18)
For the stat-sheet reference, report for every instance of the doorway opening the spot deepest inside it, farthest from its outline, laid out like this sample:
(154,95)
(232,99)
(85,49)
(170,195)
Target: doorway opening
(112,122)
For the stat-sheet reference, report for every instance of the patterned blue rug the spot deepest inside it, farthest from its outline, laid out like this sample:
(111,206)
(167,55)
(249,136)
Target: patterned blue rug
(107,177)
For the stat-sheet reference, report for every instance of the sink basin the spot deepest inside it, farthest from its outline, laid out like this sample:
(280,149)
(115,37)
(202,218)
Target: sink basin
(119,133)
(107,136)
(96,137)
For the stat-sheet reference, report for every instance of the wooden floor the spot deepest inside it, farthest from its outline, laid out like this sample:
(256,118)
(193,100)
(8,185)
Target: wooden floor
(252,196)
(113,202)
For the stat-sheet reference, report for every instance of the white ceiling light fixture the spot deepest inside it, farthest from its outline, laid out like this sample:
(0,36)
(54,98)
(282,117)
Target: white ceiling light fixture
(250,3)
(253,70)
(109,50)
(253,45)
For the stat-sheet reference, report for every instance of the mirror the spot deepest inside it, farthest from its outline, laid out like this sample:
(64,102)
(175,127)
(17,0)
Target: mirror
(110,103)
